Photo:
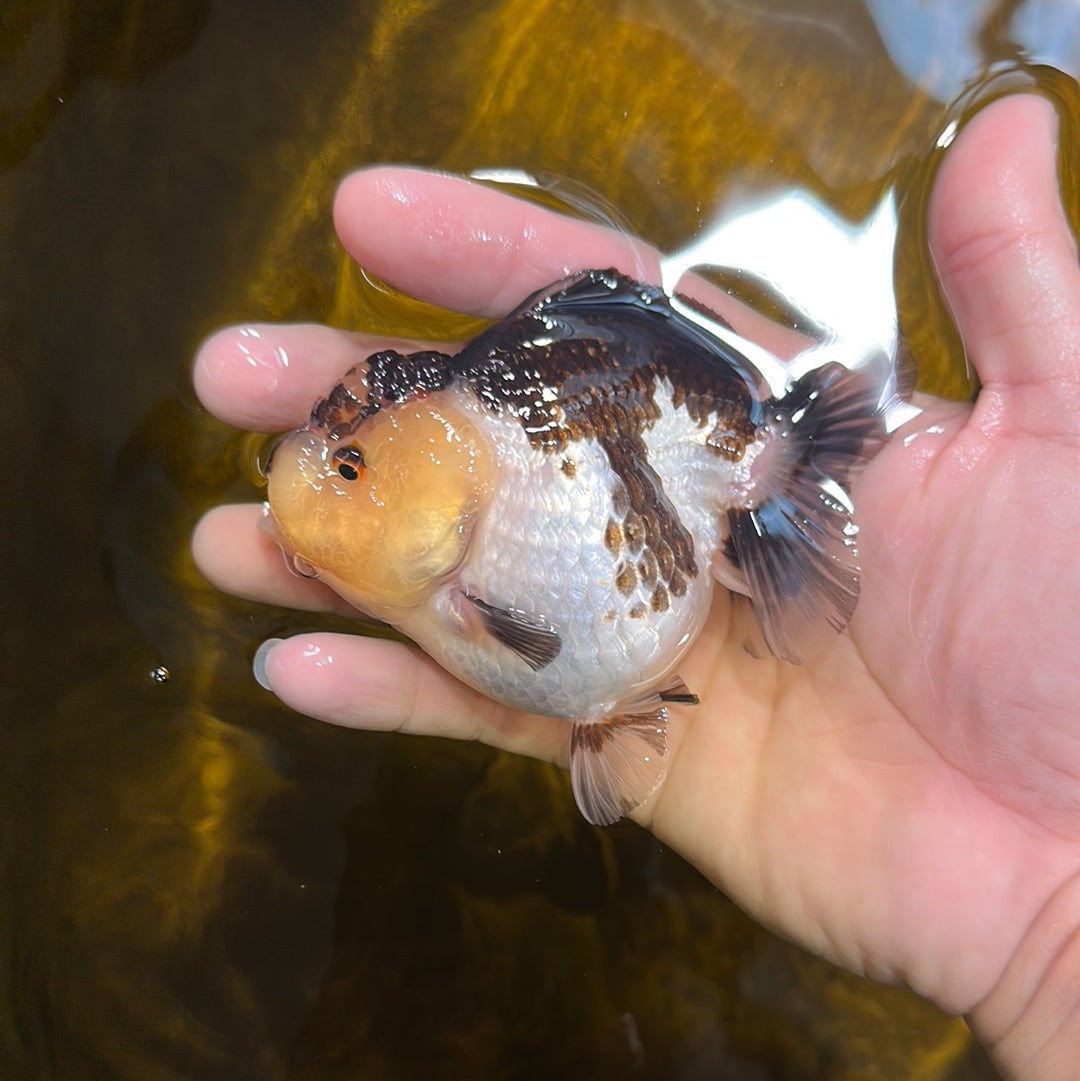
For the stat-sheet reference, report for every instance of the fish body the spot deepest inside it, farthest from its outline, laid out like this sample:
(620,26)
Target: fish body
(548,511)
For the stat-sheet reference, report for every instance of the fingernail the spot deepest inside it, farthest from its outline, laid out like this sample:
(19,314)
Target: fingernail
(258,665)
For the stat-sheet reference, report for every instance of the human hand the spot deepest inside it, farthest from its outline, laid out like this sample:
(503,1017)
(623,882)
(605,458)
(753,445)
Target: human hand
(908,804)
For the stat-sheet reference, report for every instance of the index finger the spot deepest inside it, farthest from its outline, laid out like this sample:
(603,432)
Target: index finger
(463,246)
(266,377)
(450,242)
(466,247)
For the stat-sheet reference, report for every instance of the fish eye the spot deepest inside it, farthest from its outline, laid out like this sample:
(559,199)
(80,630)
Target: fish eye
(349,462)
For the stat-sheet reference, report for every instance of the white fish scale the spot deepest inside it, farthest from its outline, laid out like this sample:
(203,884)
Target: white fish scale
(539,548)
(699,483)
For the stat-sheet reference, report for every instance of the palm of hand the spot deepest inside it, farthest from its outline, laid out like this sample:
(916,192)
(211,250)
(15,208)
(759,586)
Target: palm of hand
(905,804)
(883,800)
(908,804)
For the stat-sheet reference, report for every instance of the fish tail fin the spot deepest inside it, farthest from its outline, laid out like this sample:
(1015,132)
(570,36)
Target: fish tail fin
(833,418)
(796,546)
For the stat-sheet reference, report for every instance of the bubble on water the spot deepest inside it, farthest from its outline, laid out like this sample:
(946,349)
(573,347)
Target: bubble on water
(160,674)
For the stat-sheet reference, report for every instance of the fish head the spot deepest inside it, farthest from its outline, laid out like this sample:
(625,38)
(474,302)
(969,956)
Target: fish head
(383,513)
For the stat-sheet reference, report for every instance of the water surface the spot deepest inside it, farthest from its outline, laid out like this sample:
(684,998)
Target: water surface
(196,882)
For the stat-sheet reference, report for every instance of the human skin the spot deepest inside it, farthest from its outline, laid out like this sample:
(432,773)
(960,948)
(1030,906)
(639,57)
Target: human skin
(908,804)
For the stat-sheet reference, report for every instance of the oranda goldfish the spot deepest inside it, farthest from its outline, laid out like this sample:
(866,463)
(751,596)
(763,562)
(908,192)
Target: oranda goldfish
(547,512)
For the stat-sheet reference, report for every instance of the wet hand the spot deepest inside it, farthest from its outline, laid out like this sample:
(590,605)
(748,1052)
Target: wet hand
(909,804)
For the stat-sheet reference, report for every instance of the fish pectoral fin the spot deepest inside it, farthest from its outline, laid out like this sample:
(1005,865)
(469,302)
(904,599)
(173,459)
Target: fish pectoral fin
(617,763)
(532,638)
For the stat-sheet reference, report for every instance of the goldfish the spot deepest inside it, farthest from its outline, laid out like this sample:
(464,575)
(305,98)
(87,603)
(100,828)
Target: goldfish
(548,511)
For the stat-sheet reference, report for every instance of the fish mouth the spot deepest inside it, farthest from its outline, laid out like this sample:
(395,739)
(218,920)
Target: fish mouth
(296,563)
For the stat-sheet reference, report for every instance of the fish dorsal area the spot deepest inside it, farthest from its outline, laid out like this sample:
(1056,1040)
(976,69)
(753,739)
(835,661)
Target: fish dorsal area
(602,361)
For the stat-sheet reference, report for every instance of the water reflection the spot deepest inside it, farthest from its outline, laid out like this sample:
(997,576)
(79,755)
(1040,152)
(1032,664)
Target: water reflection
(940,47)
(835,279)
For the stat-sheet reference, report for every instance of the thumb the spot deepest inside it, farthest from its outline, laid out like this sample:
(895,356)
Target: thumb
(1007,260)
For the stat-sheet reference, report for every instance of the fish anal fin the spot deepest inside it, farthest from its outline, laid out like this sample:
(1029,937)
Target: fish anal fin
(533,639)
(617,763)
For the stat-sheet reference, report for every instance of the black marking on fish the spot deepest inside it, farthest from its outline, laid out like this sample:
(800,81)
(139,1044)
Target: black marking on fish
(388,377)
(626,579)
(532,638)
(613,537)
(648,568)
(603,341)
(652,524)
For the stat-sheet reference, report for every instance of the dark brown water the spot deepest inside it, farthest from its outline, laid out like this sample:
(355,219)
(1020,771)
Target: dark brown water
(197,883)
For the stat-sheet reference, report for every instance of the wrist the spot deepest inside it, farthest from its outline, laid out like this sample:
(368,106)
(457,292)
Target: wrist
(1030,1021)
